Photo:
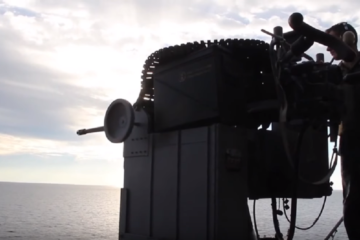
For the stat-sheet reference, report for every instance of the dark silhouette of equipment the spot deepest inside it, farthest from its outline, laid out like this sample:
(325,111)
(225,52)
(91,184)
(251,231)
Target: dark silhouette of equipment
(195,153)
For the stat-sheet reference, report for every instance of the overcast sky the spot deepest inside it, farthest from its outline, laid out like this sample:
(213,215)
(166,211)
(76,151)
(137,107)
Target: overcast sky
(63,62)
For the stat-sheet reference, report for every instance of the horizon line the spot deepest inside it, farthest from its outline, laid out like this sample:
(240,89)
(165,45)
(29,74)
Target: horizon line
(77,184)
(71,184)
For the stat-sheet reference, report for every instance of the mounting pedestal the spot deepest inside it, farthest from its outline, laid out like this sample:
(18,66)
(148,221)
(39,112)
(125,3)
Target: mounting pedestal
(187,184)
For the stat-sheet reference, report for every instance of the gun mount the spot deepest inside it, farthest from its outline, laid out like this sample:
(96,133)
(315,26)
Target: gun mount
(197,144)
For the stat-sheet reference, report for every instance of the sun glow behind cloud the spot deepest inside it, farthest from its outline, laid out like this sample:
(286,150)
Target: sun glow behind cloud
(62,64)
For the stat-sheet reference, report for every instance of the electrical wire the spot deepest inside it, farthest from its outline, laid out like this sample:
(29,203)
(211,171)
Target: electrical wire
(279,234)
(282,119)
(274,55)
(334,155)
(315,221)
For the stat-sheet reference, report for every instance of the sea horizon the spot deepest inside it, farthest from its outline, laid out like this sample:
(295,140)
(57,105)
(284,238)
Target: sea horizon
(52,211)
(79,184)
(67,184)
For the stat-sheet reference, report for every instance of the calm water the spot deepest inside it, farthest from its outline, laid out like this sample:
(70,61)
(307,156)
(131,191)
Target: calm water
(49,212)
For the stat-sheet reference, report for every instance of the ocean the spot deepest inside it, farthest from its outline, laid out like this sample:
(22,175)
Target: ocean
(70,212)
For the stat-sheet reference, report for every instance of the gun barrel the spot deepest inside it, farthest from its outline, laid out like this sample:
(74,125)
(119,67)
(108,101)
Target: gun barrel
(90,130)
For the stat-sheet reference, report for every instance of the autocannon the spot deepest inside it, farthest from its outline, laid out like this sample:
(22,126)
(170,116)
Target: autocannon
(218,123)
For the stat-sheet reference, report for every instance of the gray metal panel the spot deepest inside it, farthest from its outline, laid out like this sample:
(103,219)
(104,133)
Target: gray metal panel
(193,184)
(180,93)
(138,143)
(123,211)
(194,135)
(212,184)
(183,188)
(165,175)
(138,181)
(232,210)
(139,146)
(137,178)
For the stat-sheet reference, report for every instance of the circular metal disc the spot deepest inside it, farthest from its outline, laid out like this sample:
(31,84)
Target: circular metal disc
(119,121)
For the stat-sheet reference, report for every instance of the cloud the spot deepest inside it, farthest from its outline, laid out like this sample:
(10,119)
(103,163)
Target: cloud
(96,148)
(35,101)
(63,62)
(18,11)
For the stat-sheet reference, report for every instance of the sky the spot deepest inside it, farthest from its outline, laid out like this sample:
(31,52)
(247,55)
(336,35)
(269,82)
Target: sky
(63,62)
